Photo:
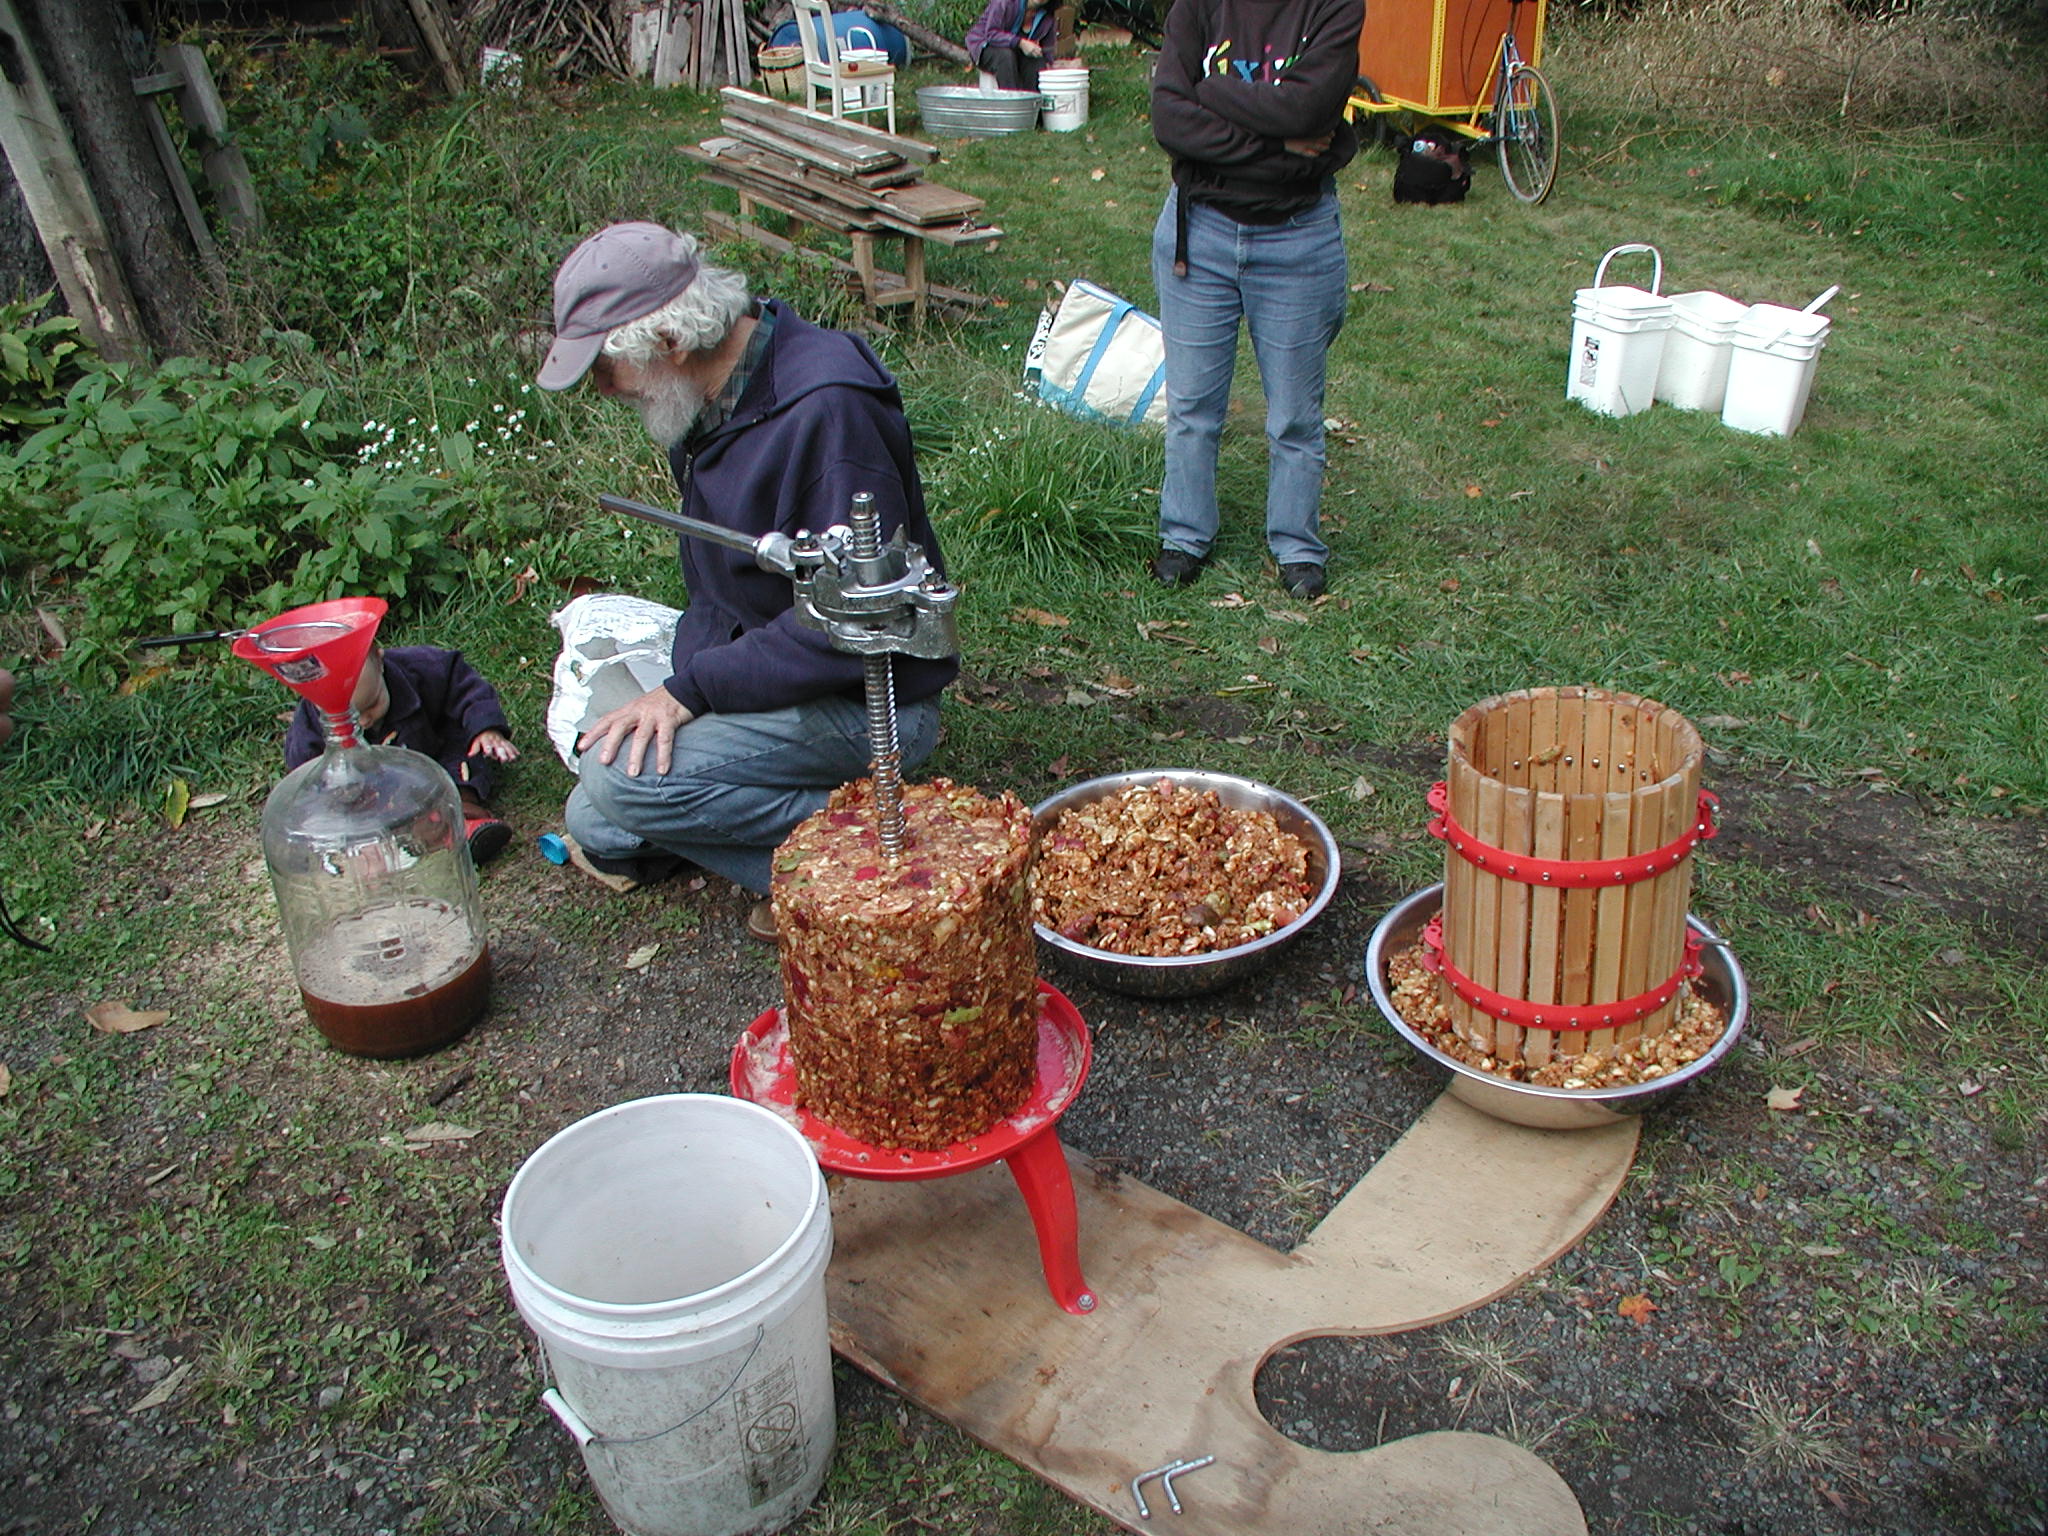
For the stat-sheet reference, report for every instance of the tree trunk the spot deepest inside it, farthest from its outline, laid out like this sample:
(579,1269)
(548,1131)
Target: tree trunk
(81,46)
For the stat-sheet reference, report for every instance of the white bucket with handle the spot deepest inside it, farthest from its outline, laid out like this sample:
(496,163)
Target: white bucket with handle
(1770,371)
(1618,337)
(1065,88)
(670,1254)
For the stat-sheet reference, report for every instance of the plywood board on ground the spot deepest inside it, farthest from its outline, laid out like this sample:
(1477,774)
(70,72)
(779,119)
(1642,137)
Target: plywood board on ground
(934,1289)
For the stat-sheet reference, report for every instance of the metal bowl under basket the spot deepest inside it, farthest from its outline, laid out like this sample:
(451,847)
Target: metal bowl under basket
(1171,976)
(1554,1109)
(969,111)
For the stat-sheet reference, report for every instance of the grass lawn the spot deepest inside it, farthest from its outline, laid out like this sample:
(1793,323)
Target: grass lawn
(1855,616)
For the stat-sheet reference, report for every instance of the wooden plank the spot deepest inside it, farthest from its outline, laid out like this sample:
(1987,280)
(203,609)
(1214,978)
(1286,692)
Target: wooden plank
(60,202)
(839,220)
(768,111)
(226,167)
(843,158)
(434,29)
(934,1287)
(1615,728)
(929,203)
(181,189)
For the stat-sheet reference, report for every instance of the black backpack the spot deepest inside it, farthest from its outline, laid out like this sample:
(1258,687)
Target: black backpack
(1433,169)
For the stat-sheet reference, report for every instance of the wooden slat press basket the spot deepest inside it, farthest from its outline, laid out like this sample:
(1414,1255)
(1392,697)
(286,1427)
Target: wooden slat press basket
(782,70)
(1570,816)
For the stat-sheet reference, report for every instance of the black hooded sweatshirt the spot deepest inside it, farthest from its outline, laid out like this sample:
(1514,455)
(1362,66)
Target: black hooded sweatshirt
(1236,79)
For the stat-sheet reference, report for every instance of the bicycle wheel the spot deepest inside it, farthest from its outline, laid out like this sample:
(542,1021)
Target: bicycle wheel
(1525,133)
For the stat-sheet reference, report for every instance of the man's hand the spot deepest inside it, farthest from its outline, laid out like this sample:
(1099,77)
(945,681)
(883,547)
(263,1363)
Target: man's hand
(1308,148)
(1027,46)
(655,716)
(494,744)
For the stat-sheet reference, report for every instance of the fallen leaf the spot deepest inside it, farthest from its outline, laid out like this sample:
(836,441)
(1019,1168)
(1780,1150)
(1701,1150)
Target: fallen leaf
(1059,766)
(1721,722)
(6,1079)
(521,582)
(1813,549)
(1097,174)
(1370,288)
(1270,644)
(54,628)
(1230,600)
(1784,1100)
(1822,1251)
(1969,1088)
(1475,491)
(165,1390)
(206,802)
(641,956)
(1636,1308)
(1080,698)
(177,800)
(1361,789)
(437,1130)
(1116,682)
(1448,584)
(1040,617)
(119,1019)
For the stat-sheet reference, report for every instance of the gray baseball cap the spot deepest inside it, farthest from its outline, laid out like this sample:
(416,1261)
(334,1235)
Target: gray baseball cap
(617,276)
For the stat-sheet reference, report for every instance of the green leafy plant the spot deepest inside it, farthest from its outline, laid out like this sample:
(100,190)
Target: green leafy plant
(40,358)
(199,496)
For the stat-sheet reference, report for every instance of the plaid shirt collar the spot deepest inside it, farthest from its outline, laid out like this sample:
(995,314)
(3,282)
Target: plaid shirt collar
(720,410)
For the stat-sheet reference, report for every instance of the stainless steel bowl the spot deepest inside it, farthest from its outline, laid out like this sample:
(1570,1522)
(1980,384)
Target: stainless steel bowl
(1192,975)
(1554,1109)
(975,113)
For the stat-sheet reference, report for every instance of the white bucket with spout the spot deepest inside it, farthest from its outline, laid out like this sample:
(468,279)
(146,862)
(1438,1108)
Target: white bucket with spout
(1065,89)
(670,1254)
(1770,372)
(1694,372)
(1618,337)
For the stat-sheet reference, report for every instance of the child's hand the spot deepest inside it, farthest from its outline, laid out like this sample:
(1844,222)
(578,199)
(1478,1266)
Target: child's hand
(493,744)
(1031,48)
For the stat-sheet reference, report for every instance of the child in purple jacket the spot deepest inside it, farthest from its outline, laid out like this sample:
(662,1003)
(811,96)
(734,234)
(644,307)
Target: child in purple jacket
(1011,41)
(432,701)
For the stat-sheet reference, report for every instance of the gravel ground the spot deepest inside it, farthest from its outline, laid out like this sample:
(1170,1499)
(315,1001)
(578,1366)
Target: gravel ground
(1843,1320)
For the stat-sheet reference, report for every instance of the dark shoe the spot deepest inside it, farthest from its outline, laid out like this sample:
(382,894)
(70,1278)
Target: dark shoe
(761,921)
(1176,567)
(487,838)
(1304,580)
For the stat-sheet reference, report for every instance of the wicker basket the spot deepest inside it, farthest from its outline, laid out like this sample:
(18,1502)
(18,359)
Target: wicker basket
(1570,816)
(782,70)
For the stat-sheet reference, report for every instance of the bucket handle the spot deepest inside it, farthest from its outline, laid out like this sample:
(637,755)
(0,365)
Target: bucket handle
(586,1437)
(872,43)
(1656,281)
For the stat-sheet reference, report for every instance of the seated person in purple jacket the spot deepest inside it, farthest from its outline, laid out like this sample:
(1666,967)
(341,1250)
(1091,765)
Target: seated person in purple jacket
(771,425)
(434,702)
(1011,40)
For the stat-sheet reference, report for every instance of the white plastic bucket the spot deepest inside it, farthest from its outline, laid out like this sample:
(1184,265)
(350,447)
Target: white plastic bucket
(1066,98)
(670,1254)
(1770,372)
(1693,375)
(1618,340)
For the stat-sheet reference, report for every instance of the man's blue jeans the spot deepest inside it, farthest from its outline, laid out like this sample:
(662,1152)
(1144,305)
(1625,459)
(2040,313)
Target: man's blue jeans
(1287,281)
(736,786)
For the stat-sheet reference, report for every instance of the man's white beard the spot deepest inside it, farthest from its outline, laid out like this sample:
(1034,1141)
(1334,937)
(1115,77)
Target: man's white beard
(670,408)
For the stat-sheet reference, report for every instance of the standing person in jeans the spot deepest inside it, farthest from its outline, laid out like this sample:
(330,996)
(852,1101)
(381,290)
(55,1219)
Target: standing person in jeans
(1011,39)
(1248,99)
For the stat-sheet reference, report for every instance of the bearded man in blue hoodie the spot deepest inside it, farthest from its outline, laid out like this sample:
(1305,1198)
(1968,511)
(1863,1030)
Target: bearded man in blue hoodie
(771,425)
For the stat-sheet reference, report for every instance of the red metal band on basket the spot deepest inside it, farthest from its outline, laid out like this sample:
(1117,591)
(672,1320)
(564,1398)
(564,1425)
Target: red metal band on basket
(1561,1018)
(1566,874)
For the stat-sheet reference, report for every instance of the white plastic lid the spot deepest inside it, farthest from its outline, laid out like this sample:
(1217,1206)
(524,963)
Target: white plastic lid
(1623,301)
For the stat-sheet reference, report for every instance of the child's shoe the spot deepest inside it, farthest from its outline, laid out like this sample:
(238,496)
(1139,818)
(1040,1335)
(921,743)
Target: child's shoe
(487,838)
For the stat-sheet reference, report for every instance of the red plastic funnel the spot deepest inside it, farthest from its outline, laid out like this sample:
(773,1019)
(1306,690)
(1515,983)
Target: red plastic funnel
(317,651)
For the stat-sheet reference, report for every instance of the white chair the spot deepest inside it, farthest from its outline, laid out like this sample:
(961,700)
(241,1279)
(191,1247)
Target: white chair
(854,87)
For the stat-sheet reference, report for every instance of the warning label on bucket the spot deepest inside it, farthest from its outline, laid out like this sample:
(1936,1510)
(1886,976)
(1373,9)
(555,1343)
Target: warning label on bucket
(1589,361)
(770,1427)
